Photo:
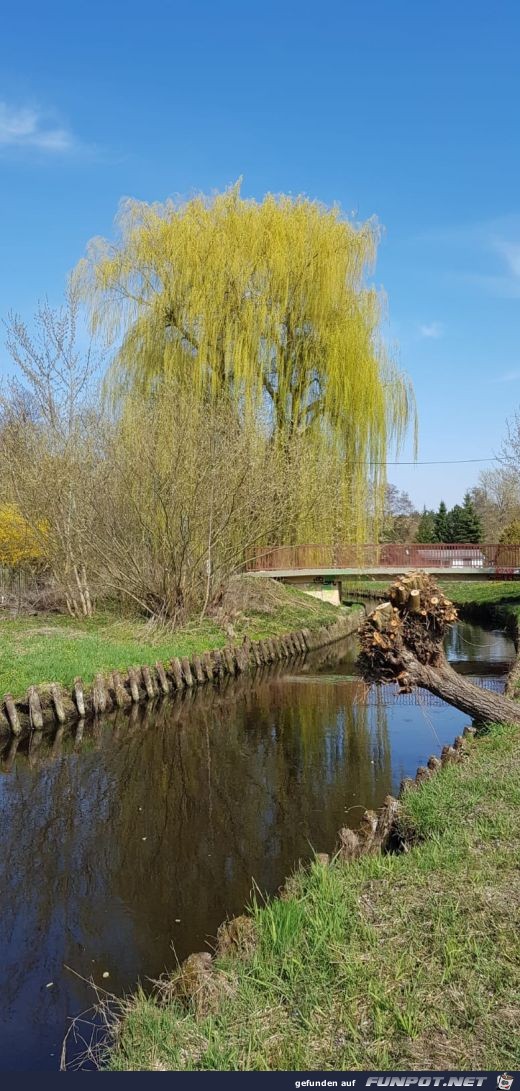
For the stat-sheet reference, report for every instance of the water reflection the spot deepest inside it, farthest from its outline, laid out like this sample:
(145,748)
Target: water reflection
(123,838)
(470,644)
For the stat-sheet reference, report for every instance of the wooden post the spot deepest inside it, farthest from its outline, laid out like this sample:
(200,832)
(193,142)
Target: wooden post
(99,695)
(242,654)
(133,683)
(163,681)
(322,636)
(78,696)
(269,654)
(245,655)
(176,670)
(227,656)
(58,704)
(35,708)
(186,671)
(12,714)
(406,785)
(148,682)
(247,652)
(207,663)
(196,668)
(290,644)
(262,652)
(119,690)
(218,664)
(349,845)
(256,654)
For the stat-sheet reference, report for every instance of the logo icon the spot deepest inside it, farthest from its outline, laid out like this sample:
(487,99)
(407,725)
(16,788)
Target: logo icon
(504,1082)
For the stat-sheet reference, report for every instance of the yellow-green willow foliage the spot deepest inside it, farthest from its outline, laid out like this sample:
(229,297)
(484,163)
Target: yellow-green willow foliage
(265,301)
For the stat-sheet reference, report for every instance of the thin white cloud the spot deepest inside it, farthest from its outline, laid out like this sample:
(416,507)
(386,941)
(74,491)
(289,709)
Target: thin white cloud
(509,376)
(502,287)
(431,330)
(510,252)
(27,127)
(477,234)
(488,254)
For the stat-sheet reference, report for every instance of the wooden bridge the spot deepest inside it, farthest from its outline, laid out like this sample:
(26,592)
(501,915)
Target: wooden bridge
(327,566)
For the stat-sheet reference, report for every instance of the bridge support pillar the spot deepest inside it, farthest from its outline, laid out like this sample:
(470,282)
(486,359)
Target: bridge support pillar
(326,592)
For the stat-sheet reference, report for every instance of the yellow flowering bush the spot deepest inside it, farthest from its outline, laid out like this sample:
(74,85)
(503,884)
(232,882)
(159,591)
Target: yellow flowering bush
(18,542)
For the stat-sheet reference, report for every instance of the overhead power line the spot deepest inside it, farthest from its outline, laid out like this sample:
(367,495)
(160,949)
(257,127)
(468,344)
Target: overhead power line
(434,462)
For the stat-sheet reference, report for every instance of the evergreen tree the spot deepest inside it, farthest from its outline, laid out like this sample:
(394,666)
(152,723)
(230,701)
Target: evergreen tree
(456,531)
(442,524)
(426,528)
(469,524)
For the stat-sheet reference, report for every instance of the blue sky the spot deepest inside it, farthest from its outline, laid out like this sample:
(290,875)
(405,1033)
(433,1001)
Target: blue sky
(408,111)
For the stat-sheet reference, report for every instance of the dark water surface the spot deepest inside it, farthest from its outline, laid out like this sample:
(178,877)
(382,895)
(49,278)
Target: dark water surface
(130,845)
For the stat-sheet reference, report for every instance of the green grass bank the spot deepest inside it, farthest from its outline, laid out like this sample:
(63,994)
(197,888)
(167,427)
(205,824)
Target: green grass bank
(405,961)
(470,592)
(56,648)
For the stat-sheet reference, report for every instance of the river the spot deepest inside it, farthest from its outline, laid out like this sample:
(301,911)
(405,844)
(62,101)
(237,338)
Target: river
(125,847)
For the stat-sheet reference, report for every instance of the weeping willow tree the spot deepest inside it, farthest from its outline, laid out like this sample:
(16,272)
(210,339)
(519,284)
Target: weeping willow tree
(265,302)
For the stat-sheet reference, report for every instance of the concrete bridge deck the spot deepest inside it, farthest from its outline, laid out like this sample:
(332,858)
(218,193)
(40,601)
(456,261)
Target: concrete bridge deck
(327,584)
(325,575)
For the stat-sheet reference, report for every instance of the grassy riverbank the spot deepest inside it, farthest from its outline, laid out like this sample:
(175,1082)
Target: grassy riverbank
(56,648)
(475,592)
(408,961)
(392,962)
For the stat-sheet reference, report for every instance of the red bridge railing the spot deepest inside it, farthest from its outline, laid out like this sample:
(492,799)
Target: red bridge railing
(392,555)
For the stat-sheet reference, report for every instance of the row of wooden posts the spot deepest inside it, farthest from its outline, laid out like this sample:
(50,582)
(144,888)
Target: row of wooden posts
(377,830)
(48,704)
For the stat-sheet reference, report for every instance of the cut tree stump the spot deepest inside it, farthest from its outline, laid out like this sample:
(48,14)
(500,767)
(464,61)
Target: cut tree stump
(402,642)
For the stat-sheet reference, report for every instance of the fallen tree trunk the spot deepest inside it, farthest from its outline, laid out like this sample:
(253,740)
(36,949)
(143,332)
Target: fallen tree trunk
(483,705)
(402,642)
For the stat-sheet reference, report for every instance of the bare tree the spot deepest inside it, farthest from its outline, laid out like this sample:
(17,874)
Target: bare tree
(191,490)
(496,497)
(400,519)
(50,454)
